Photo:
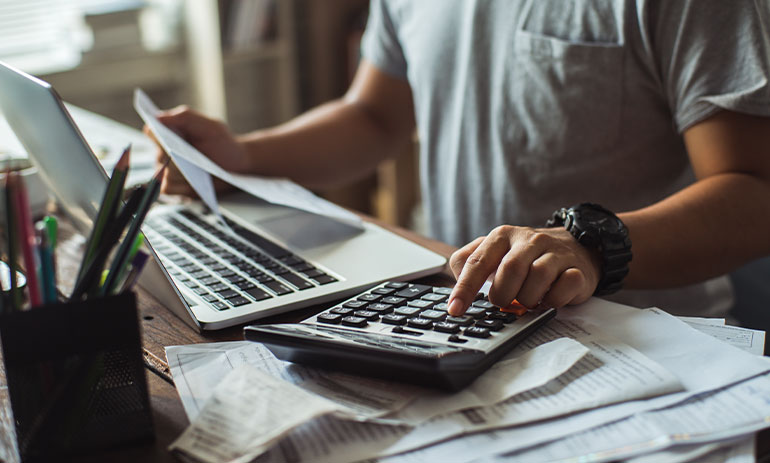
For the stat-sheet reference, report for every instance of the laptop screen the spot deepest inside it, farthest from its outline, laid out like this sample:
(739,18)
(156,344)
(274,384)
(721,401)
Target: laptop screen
(39,119)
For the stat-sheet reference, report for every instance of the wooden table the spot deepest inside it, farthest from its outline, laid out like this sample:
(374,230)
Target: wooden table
(162,328)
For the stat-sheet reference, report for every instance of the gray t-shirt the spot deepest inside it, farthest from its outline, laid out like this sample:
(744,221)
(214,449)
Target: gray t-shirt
(525,106)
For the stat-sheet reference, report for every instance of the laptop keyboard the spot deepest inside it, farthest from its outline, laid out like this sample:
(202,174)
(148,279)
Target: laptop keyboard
(227,270)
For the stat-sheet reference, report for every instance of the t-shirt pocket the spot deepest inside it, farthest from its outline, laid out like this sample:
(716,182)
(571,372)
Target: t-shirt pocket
(566,96)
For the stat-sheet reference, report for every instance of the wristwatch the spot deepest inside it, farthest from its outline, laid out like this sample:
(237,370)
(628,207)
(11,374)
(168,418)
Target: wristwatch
(599,229)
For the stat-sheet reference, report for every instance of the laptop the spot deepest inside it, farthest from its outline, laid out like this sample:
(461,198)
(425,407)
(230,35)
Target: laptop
(267,260)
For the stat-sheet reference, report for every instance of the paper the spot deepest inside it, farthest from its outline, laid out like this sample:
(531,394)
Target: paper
(721,415)
(248,412)
(700,362)
(752,341)
(741,451)
(198,368)
(197,169)
(703,320)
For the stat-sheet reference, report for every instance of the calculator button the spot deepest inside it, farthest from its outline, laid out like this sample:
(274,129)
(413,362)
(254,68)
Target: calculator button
(356,322)
(329,318)
(393,300)
(506,317)
(380,308)
(493,325)
(476,312)
(444,291)
(421,323)
(434,297)
(457,339)
(355,304)
(384,291)
(371,315)
(414,291)
(394,319)
(341,311)
(419,303)
(433,315)
(408,311)
(369,297)
(402,330)
(516,308)
(486,305)
(440,306)
(396,285)
(447,327)
(477,332)
(462,320)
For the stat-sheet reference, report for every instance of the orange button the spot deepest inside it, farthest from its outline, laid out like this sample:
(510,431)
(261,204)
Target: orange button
(515,307)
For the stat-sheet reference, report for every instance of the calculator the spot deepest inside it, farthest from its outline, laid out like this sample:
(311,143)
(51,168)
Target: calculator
(402,331)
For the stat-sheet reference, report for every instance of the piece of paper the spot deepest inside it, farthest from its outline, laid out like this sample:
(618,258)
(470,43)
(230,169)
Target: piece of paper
(703,320)
(198,368)
(700,362)
(247,413)
(740,451)
(728,413)
(752,341)
(198,169)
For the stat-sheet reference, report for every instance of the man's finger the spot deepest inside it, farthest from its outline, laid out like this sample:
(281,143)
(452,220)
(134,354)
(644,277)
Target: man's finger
(569,288)
(458,258)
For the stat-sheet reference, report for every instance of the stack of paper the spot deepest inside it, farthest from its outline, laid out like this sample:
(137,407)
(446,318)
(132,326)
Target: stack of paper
(666,387)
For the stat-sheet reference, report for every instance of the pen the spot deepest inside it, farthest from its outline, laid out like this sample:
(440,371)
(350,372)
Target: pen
(108,209)
(137,264)
(121,256)
(27,239)
(52,229)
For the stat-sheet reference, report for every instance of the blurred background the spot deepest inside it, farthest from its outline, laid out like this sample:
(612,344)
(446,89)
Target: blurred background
(252,63)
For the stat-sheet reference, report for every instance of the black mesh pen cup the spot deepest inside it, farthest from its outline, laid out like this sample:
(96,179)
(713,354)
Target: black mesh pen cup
(76,378)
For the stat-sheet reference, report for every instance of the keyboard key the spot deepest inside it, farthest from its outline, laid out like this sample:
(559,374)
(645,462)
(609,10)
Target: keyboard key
(278,288)
(209,298)
(291,260)
(420,323)
(313,273)
(393,319)
(413,291)
(228,293)
(217,287)
(297,281)
(209,281)
(238,301)
(324,279)
(477,332)
(220,305)
(244,285)
(493,325)
(305,267)
(329,318)
(447,327)
(356,322)
(258,294)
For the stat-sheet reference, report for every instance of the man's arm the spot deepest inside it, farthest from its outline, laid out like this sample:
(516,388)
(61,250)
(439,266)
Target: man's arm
(705,230)
(332,144)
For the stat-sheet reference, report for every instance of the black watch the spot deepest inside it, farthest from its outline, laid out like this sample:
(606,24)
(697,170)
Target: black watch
(599,229)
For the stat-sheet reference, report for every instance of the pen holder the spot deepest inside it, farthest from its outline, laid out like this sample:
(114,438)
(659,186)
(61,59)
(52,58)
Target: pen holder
(76,378)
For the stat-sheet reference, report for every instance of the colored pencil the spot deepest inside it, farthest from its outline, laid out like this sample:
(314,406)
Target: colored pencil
(27,241)
(108,209)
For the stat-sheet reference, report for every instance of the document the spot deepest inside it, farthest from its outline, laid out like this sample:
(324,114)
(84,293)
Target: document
(700,362)
(198,168)
(720,415)
(198,368)
(740,451)
(248,411)
(752,341)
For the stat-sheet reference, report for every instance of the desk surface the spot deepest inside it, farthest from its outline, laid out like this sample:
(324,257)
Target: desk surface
(161,328)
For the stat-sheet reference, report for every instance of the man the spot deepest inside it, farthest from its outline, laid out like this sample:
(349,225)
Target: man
(655,109)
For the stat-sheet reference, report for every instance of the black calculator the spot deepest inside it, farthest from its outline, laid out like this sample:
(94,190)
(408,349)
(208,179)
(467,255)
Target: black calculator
(402,331)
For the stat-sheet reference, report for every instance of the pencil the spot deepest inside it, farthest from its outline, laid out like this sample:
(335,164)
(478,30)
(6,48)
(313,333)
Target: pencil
(27,240)
(108,209)
(47,269)
(120,260)
(87,282)
(137,265)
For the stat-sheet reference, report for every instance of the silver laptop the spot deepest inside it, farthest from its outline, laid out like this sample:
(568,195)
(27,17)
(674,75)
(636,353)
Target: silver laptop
(268,259)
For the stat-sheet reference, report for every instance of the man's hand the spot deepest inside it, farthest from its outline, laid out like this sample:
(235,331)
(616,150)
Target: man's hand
(211,137)
(534,266)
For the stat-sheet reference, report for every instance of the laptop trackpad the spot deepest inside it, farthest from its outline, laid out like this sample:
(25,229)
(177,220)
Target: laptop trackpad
(303,230)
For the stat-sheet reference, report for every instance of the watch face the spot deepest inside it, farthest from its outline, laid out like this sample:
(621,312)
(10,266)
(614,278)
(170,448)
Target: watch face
(598,219)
